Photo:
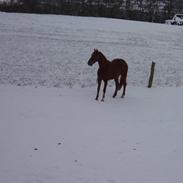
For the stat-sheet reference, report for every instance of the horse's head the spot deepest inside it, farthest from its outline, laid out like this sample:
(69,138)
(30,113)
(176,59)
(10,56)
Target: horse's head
(94,57)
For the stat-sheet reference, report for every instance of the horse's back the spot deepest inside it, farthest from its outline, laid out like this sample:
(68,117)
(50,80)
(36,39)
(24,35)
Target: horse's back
(120,65)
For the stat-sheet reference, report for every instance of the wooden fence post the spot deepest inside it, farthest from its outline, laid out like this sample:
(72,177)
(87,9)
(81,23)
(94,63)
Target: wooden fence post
(151,75)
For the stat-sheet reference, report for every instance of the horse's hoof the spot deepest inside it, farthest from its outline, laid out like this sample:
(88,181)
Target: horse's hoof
(102,100)
(96,98)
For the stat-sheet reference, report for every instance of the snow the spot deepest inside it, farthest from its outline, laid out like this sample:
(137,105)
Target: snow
(135,139)
(58,47)
(52,129)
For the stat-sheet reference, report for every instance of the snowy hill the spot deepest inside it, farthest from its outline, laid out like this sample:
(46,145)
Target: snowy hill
(51,128)
(51,50)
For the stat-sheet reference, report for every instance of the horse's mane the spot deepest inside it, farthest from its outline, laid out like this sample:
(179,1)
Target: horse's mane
(102,55)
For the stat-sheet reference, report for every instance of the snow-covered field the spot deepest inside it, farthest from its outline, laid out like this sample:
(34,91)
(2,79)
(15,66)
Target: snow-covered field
(51,128)
(51,50)
(64,136)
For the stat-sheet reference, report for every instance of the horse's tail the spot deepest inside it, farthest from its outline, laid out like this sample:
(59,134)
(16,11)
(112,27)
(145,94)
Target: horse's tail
(121,82)
(123,78)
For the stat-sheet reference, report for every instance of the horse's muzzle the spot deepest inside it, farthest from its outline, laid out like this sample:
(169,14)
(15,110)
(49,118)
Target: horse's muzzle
(90,63)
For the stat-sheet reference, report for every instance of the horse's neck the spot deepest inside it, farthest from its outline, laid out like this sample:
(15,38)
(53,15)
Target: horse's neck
(103,61)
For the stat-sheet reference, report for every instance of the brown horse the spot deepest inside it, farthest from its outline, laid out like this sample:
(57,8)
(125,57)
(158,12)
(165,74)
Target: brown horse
(116,69)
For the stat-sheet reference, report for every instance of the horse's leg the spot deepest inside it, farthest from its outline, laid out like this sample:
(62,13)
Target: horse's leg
(98,88)
(104,90)
(117,86)
(124,90)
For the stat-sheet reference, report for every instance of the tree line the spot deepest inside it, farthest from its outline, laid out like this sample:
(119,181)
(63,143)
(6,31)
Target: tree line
(144,10)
